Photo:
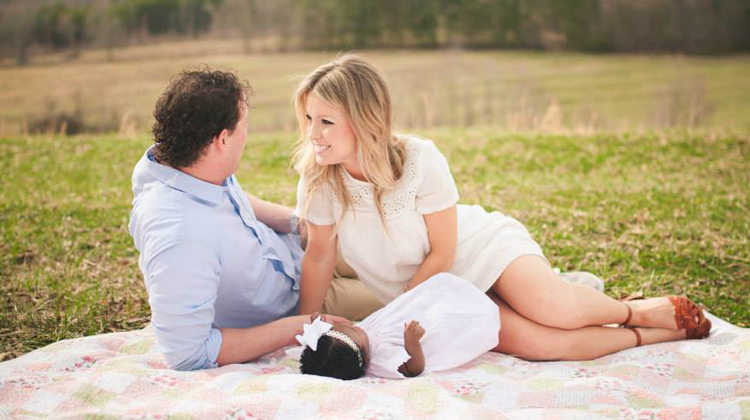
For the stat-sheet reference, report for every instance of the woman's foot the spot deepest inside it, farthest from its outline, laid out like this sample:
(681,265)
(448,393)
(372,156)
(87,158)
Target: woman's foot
(673,312)
(658,335)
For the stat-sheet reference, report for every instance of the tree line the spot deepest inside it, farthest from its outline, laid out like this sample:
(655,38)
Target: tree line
(687,26)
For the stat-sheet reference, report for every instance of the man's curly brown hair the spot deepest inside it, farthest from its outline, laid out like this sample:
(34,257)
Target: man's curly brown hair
(196,106)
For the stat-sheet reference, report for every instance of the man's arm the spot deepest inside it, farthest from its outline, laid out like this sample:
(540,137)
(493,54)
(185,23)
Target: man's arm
(182,286)
(182,283)
(243,344)
(413,332)
(273,215)
(239,345)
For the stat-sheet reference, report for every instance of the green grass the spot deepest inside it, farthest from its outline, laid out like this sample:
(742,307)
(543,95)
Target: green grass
(661,213)
(514,90)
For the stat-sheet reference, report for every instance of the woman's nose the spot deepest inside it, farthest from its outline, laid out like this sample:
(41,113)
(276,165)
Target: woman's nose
(313,131)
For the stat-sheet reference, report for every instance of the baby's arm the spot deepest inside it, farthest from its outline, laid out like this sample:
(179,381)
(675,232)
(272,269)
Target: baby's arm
(413,332)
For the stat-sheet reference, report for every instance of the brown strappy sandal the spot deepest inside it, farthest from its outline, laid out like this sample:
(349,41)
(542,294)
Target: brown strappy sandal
(625,325)
(701,331)
(630,315)
(685,313)
(637,336)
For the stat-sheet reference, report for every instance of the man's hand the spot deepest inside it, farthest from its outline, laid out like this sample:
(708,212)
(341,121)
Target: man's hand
(302,230)
(413,332)
(331,319)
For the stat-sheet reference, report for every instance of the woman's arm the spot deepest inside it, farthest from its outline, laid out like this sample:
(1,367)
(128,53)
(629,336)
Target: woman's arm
(317,267)
(273,215)
(442,232)
(413,332)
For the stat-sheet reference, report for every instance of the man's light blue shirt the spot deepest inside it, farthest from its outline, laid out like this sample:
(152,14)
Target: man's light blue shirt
(208,263)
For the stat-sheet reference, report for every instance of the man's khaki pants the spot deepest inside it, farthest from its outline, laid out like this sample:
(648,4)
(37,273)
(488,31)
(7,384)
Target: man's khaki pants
(349,297)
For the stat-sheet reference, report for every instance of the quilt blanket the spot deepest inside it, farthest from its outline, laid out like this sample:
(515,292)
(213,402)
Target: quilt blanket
(123,375)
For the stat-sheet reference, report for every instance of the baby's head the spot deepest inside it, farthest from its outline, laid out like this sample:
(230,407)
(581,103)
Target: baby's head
(342,352)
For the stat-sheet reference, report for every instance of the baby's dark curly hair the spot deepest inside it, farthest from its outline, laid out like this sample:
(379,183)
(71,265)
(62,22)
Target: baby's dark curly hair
(196,106)
(334,359)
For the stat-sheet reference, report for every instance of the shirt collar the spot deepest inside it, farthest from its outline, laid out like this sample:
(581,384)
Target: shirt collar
(181,181)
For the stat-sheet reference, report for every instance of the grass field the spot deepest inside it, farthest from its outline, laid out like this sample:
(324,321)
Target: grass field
(511,90)
(659,213)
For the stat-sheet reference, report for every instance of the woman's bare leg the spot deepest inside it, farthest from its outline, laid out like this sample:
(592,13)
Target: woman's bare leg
(529,340)
(531,288)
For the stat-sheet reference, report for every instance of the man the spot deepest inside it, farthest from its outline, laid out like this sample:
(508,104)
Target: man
(222,268)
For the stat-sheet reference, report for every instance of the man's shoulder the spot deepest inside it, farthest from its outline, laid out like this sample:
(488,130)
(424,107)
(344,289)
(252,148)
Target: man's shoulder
(164,216)
(158,200)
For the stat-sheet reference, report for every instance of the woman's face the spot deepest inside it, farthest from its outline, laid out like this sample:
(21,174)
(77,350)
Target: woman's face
(330,131)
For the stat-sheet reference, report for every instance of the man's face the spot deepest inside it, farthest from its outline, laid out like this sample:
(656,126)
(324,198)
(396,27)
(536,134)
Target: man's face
(238,138)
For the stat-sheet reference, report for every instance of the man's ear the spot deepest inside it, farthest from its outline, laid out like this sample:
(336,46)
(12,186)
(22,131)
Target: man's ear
(220,140)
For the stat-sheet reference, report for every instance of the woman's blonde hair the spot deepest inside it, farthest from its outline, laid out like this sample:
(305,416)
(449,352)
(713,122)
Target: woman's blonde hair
(351,84)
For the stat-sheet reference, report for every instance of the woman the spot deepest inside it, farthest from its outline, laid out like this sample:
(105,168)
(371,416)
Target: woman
(391,202)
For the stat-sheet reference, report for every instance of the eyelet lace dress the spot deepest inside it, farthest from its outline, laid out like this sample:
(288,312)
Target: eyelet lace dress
(386,259)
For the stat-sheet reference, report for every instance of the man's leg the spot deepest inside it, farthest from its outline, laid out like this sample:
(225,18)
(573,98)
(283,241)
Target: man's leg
(351,299)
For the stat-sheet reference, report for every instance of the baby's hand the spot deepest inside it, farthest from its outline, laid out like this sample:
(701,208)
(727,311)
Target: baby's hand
(413,332)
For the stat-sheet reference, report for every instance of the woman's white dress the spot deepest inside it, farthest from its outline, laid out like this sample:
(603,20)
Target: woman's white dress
(461,323)
(385,260)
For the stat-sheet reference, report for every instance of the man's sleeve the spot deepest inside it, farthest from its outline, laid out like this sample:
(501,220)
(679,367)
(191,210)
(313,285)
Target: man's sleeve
(182,284)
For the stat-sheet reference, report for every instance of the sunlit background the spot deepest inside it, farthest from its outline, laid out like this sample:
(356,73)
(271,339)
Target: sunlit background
(615,130)
(548,65)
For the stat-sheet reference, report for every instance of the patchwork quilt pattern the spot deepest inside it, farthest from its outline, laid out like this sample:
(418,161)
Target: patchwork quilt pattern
(123,375)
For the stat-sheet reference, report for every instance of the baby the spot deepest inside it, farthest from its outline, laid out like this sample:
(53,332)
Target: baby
(440,324)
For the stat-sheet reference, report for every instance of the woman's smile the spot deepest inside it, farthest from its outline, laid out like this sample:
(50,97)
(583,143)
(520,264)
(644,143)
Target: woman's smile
(321,148)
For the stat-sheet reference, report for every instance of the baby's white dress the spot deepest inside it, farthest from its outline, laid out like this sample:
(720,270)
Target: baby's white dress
(385,261)
(460,322)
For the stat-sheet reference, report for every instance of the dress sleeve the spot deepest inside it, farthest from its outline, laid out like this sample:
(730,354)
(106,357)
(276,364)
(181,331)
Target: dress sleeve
(437,191)
(320,211)
(182,288)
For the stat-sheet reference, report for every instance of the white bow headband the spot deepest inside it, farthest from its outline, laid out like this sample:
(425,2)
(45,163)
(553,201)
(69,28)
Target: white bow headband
(311,333)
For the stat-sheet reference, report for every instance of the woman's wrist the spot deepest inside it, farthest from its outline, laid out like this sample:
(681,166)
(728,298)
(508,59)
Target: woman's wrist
(410,285)
(307,310)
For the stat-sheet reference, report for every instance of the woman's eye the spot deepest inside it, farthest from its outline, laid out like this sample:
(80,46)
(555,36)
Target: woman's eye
(308,117)
(327,122)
